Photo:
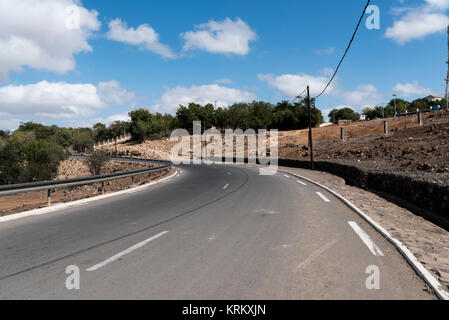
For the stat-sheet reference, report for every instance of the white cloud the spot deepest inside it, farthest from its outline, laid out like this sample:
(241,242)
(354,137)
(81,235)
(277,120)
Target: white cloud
(293,84)
(364,95)
(438,4)
(325,52)
(204,94)
(417,23)
(9,124)
(412,89)
(36,33)
(144,36)
(113,94)
(60,100)
(124,116)
(228,37)
(327,71)
(223,81)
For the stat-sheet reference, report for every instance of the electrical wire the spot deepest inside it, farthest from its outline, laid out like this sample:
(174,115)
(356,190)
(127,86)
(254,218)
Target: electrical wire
(347,49)
(298,96)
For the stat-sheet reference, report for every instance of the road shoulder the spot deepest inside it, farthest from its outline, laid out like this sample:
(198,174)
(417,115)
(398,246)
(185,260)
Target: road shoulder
(426,241)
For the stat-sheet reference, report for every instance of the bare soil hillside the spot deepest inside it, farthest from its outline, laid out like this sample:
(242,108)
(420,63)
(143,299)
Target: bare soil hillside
(412,148)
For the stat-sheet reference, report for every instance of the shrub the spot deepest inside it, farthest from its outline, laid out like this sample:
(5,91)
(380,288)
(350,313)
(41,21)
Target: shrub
(23,158)
(96,162)
(82,141)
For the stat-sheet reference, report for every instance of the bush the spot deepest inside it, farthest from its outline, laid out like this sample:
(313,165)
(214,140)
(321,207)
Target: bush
(23,158)
(82,141)
(343,114)
(96,162)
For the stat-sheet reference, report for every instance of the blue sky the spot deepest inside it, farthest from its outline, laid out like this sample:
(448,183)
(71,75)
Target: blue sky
(75,63)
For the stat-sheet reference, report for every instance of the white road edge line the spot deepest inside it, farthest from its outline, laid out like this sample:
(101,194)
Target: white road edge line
(300,182)
(431,281)
(226,186)
(120,254)
(57,207)
(374,248)
(286,176)
(323,197)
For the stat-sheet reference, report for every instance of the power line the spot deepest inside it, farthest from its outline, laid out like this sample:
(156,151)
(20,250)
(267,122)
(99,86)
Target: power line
(299,96)
(347,49)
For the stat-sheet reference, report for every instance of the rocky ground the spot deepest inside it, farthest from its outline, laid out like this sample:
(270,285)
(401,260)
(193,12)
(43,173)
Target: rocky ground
(421,151)
(150,149)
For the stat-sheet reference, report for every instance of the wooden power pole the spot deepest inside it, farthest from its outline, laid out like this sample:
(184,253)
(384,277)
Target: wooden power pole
(447,77)
(310,128)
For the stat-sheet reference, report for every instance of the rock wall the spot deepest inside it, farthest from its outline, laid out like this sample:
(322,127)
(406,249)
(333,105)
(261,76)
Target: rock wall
(431,197)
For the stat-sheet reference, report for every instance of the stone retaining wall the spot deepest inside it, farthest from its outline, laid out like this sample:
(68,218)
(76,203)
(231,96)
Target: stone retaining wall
(431,197)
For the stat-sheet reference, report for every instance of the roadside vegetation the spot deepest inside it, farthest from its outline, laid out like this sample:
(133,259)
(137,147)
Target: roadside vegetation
(96,162)
(33,151)
(402,106)
(254,115)
(378,112)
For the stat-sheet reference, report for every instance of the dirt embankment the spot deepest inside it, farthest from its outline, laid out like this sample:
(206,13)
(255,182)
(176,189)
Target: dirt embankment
(417,150)
(422,150)
(73,168)
(150,149)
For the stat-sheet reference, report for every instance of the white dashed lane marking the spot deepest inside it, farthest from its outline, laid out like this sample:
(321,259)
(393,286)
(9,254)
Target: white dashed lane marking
(366,239)
(323,197)
(120,254)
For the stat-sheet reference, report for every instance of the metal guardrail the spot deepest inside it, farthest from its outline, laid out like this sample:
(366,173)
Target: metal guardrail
(160,165)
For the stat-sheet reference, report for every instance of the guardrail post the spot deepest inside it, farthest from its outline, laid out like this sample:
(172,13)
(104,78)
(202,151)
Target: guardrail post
(132,180)
(48,197)
(385,127)
(342,133)
(102,187)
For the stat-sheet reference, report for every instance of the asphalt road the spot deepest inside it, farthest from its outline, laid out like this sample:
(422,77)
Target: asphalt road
(212,232)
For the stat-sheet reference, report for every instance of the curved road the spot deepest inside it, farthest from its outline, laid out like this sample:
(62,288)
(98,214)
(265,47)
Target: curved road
(212,232)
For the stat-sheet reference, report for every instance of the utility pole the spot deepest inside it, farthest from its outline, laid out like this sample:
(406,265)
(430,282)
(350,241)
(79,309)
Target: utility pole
(310,129)
(394,99)
(447,77)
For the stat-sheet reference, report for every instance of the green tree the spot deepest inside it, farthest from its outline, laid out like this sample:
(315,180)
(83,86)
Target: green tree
(101,133)
(261,115)
(140,127)
(239,116)
(420,104)
(4,134)
(373,113)
(82,141)
(24,158)
(118,128)
(221,118)
(343,114)
(401,106)
(64,137)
